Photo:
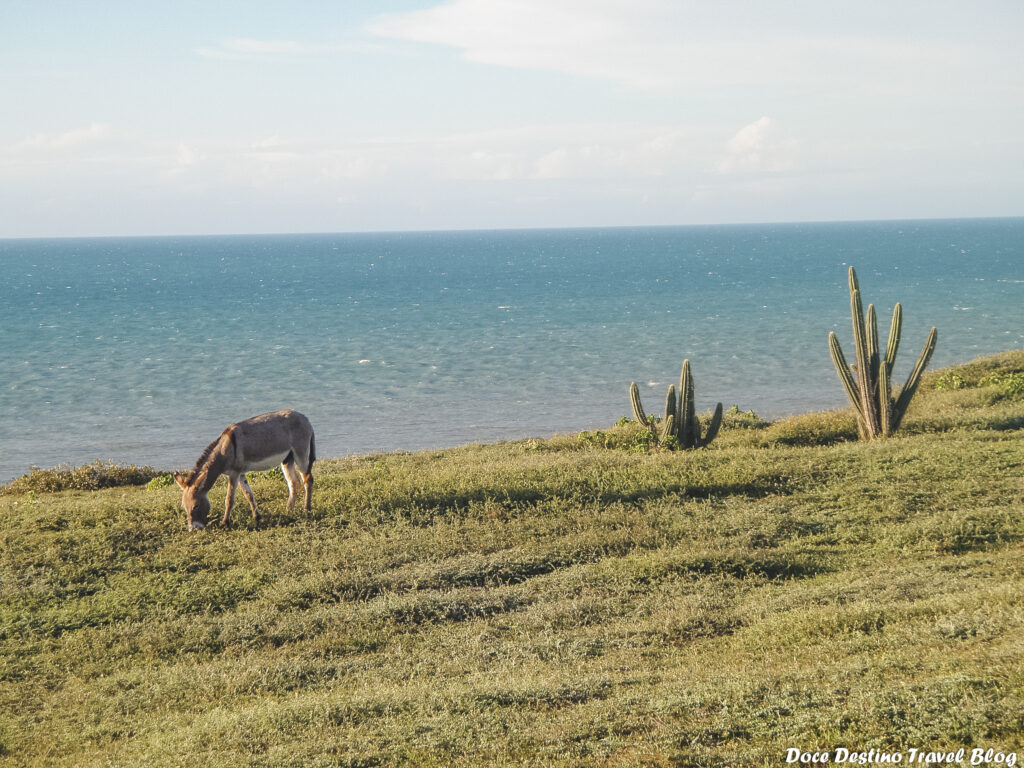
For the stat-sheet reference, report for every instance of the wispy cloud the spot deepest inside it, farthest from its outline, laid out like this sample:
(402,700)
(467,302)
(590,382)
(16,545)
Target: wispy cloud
(89,149)
(598,38)
(665,45)
(92,134)
(591,151)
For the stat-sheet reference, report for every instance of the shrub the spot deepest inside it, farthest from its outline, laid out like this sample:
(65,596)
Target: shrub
(88,477)
(160,481)
(734,418)
(950,380)
(625,435)
(1009,383)
(984,371)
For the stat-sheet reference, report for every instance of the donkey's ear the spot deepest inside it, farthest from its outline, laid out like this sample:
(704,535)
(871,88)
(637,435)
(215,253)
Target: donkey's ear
(181,480)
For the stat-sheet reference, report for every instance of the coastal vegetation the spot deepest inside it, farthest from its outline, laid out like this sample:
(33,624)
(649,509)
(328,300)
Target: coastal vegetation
(681,427)
(581,600)
(868,385)
(88,477)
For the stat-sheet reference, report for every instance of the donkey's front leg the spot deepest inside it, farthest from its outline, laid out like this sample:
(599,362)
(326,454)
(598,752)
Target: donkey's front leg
(248,495)
(229,500)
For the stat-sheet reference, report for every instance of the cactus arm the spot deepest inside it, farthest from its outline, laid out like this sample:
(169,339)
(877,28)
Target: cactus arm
(713,427)
(849,384)
(638,408)
(670,411)
(875,364)
(687,411)
(859,346)
(668,428)
(638,412)
(871,337)
(694,436)
(863,364)
(885,405)
(900,408)
(885,400)
(894,336)
(846,377)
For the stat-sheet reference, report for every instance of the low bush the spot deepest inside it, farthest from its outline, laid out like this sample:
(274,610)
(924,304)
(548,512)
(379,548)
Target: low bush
(88,477)
(1004,369)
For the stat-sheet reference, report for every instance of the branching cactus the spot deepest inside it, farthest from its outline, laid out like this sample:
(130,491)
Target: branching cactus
(681,427)
(869,383)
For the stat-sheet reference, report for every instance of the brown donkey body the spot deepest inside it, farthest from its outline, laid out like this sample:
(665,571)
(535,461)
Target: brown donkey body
(282,437)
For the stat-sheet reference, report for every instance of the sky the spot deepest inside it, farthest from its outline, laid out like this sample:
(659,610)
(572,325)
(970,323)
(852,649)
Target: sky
(223,116)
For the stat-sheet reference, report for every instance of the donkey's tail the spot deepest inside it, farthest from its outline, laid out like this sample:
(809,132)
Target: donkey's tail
(312,451)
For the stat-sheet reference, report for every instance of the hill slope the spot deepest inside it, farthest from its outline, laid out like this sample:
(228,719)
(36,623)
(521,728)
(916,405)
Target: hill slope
(545,602)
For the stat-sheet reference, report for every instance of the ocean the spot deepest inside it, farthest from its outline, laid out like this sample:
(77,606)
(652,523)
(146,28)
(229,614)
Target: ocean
(140,350)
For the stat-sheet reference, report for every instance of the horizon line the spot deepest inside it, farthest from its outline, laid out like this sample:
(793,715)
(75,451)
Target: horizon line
(439,230)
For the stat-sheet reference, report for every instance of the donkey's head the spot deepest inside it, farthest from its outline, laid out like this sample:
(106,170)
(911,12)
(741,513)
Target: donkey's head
(194,500)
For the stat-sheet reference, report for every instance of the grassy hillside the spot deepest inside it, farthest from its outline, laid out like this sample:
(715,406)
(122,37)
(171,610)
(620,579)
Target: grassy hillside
(562,602)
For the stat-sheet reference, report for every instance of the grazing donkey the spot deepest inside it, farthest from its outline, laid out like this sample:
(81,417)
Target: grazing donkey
(284,437)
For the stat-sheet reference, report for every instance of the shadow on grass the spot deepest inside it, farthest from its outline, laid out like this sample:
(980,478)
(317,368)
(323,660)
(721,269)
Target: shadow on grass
(1004,423)
(431,594)
(775,566)
(419,609)
(423,508)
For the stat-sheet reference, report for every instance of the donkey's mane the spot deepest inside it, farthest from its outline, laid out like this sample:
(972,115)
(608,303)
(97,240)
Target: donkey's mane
(204,459)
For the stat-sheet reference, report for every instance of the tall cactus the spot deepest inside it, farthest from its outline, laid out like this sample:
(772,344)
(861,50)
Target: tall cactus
(680,427)
(870,391)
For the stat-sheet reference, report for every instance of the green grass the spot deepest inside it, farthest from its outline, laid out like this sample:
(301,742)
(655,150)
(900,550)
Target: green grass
(561,602)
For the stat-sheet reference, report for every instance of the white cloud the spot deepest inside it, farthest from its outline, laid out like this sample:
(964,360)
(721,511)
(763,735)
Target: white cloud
(555,164)
(91,134)
(667,45)
(572,151)
(584,151)
(599,38)
(186,156)
(94,146)
(759,147)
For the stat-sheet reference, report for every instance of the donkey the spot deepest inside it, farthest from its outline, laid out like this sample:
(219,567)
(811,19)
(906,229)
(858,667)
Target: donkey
(284,437)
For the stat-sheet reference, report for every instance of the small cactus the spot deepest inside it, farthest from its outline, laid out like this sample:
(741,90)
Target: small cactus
(869,385)
(680,427)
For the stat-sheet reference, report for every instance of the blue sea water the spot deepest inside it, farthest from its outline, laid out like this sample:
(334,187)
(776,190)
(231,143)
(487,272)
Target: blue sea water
(142,349)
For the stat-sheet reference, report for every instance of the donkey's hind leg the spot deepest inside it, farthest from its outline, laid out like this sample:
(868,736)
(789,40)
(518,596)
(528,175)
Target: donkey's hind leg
(307,483)
(248,495)
(303,468)
(291,476)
